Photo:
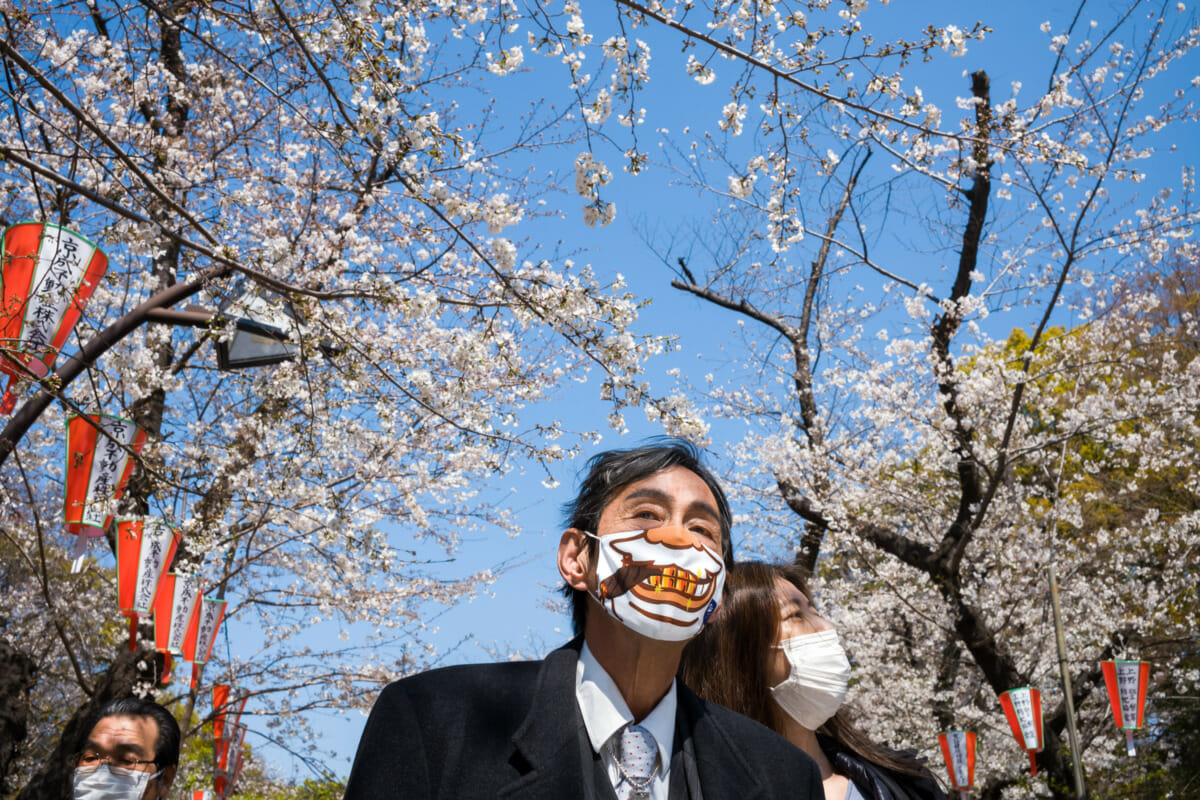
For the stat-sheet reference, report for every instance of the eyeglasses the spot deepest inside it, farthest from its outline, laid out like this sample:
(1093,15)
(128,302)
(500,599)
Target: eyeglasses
(128,763)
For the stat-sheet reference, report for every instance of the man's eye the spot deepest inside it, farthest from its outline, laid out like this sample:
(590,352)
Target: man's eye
(89,758)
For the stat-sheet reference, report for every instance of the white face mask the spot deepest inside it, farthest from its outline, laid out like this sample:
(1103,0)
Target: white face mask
(816,686)
(115,783)
(662,583)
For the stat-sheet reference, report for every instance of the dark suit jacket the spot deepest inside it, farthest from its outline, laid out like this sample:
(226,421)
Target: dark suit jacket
(512,730)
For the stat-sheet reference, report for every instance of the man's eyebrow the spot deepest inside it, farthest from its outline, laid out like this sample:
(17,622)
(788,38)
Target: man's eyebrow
(120,747)
(648,493)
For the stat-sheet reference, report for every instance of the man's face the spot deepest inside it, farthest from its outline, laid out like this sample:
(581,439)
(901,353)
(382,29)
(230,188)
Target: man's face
(660,569)
(124,738)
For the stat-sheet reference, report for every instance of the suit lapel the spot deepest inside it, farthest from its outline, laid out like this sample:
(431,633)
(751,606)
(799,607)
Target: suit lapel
(546,752)
(711,758)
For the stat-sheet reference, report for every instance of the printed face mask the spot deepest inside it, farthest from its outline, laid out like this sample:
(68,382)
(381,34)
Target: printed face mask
(816,686)
(662,583)
(111,783)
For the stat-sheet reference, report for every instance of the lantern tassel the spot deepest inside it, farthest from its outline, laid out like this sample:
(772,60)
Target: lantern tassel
(195,674)
(1032,762)
(133,632)
(1129,748)
(80,553)
(166,673)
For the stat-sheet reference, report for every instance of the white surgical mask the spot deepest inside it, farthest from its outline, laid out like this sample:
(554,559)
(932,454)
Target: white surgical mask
(816,686)
(111,783)
(662,583)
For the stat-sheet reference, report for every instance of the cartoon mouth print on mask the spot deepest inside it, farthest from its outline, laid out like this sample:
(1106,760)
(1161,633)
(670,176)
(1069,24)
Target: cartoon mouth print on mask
(662,583)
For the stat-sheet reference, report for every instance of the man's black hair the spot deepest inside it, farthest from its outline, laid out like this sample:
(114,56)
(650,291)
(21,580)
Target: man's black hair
(166,745)
(610,472)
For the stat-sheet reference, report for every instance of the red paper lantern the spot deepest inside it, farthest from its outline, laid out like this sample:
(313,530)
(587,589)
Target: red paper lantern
(144,552)
(1127,682)
(226,708)
(227,758)
(98,467)
(240,759)
(48,274)
(958,748)
(202,633)
(178,597)
(1023,707)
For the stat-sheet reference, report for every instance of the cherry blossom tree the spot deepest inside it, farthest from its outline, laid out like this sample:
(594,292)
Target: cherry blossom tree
(342,159)
(880,241)
(881,250)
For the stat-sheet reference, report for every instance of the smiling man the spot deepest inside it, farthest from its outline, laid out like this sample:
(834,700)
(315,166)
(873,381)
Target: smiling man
(131,753)
(602,717)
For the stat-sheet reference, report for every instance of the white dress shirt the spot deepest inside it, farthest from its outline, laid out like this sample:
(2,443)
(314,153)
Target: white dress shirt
(605,713)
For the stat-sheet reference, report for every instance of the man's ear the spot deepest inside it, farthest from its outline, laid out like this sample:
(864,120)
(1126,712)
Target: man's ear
(165,780)
(573,563)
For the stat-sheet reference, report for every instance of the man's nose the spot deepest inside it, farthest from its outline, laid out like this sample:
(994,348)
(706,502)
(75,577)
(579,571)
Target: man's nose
(671,535)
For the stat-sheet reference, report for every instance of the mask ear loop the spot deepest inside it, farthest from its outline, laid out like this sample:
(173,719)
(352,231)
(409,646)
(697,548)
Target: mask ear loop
(594,594)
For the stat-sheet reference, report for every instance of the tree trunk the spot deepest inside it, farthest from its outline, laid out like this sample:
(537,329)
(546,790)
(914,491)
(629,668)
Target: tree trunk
(16,680)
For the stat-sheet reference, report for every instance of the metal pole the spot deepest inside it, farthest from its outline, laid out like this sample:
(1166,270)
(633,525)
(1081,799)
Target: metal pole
(1069,695)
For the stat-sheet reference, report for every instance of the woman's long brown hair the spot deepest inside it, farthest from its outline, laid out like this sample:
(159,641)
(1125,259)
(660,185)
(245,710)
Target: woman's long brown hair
(727,663)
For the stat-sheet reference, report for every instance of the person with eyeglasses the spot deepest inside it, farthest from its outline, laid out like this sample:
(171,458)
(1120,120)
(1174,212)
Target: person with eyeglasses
(131,752)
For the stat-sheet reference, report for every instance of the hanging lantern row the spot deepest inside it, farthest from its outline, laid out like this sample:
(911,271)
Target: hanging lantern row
(48,275)
(1023,708)
(98,469)
(958,748)
(1127,683)
(185,623)
(99,463)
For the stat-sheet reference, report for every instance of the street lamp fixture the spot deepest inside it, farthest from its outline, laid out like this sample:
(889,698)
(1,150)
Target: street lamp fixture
(267,330)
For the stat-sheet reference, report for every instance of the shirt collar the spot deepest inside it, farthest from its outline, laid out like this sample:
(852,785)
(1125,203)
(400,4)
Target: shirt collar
(605,711)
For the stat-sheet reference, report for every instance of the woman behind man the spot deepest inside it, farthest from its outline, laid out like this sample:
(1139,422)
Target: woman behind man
(770,656)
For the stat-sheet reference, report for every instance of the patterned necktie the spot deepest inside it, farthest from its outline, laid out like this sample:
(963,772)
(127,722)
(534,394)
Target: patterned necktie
(638,762)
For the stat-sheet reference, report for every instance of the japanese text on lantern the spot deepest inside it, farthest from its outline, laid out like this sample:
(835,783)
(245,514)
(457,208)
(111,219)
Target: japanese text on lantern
(1128,673)
(54,290)
(181,612)
(149,579)
(1023,708)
